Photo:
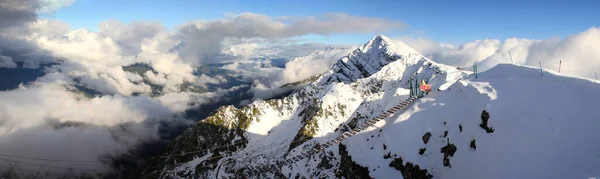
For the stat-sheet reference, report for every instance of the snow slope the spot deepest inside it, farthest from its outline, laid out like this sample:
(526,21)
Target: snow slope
(541,125)
(544,127)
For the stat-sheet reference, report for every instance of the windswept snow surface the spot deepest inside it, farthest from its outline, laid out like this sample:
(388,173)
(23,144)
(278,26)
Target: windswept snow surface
(544,127)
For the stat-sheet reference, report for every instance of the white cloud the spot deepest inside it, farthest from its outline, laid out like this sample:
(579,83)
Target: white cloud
(179,101)
(313,64)
(250,70)
(50,6)
(175,54)
(243,49)
(100,67)
(268,79)
(48,28)
(7,62)
(70,126)
(579,52)
(461,56)
(130,36)
(202,40)
(156,78)
(15,13)
(23,51)
(47,120)
(26,112)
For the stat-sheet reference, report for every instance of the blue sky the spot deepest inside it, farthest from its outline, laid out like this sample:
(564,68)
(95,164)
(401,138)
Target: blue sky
(444,21)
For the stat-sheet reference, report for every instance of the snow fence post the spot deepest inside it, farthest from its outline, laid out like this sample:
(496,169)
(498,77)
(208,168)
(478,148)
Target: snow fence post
(559,64)
(410,86)
(475,70)
(417,87)
(541,69)
(427,82)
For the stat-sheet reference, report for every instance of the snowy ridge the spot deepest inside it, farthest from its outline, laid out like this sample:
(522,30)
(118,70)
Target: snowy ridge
(374,78)
(538,129)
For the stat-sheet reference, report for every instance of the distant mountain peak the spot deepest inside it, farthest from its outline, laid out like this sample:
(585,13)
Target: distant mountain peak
(371,57)
(388,45)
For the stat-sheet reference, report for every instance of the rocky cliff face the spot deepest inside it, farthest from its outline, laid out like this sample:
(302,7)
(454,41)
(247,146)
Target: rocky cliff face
(359,86)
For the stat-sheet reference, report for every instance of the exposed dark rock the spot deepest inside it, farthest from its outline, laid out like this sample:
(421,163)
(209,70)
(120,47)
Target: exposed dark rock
(422,151)
(384,147)
(448,152)
(445,133)
(309,123)
(426,137)
(348,168)
(473,144)
(388,155)
(410,171)
(485,116)
(197,138)
(460,127)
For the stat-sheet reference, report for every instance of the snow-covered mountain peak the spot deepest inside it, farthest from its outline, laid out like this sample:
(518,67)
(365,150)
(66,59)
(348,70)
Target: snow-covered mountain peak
(397,61)
(385,44)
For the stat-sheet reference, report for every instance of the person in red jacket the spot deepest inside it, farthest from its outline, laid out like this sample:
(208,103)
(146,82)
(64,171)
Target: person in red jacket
(425,87)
